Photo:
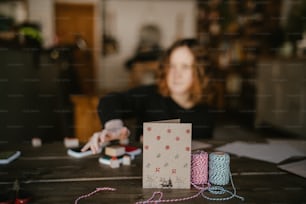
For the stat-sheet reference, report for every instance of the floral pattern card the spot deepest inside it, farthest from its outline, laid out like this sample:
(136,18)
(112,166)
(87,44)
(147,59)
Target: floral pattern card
(166,155)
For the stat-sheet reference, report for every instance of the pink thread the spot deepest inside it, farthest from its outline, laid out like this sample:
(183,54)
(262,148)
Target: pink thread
(160,200)
(199,168)
(93,192)
(152,197)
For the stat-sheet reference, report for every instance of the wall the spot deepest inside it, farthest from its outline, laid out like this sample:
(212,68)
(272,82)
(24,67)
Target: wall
(42,12)
(16,10)
(129,17)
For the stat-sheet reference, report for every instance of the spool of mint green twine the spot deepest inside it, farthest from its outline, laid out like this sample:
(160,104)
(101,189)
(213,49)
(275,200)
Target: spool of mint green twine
(219,168)
(220,175)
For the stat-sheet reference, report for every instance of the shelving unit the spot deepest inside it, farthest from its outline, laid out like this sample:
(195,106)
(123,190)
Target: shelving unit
(236,33)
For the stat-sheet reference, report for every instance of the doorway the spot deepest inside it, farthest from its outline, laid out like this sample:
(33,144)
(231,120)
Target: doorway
(74,27)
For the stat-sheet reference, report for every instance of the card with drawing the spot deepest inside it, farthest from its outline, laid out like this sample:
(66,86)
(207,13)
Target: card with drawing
(166,155)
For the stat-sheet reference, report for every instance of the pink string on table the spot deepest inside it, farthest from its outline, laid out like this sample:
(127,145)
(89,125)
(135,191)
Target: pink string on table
(160,200)
(93,192)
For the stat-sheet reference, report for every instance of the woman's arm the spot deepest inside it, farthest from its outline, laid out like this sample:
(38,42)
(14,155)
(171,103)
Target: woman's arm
(112,109)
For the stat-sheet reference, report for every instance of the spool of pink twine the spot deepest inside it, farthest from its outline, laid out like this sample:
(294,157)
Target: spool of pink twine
(199,168)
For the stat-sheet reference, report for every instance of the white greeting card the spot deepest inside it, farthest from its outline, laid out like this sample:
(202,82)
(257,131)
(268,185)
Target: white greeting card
(166,155)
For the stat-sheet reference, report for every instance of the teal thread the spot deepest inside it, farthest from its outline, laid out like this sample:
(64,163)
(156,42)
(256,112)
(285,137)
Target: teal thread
(220,175)
(219,168)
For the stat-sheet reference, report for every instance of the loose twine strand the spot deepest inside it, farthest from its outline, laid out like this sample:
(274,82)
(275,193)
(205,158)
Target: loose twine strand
(93,192)
(219,174)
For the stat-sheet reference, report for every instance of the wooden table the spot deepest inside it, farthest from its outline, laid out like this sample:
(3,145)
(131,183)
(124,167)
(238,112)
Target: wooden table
(54,177)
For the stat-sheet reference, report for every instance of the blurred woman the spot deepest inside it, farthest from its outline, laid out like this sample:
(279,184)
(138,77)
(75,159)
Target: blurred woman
(180,93)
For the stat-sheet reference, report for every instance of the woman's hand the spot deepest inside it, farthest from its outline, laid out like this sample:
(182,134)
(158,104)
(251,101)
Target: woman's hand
(108,134)
(95,142)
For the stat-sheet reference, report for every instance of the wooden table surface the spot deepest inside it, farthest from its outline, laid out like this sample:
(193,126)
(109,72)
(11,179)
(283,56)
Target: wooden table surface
(52,176)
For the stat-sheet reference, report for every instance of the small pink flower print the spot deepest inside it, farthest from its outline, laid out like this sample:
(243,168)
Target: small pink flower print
(157,169)
(157,137)
(187,149)
(168,130)
(173,171)
(149,129)
(167,147)
(146,147)
(188,131)
(177,138)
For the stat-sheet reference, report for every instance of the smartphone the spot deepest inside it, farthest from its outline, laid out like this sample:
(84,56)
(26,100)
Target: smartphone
(77,153)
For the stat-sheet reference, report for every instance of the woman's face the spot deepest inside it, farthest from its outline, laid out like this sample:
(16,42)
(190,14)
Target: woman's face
(180,73)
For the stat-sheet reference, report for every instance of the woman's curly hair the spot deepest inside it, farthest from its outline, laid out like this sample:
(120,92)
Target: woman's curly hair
(200,78)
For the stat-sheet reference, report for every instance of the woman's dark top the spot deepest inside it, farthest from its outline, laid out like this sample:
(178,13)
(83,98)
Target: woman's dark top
(146,104)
